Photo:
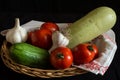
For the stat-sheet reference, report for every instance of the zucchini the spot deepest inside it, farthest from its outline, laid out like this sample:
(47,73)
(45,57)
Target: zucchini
(91,25)
(29,55)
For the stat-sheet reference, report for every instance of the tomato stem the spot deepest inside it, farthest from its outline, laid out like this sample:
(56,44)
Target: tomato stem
(60,55)
(90,48)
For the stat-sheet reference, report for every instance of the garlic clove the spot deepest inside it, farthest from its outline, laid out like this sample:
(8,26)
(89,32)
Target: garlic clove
(58,40)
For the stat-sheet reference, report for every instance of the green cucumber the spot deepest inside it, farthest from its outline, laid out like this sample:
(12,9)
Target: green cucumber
(91,25)
(29,55)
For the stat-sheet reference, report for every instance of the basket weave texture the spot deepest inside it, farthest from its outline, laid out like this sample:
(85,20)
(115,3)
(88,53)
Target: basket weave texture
(35,72)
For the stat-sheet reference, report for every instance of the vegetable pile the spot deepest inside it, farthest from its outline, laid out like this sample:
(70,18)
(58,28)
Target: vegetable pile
(48,45)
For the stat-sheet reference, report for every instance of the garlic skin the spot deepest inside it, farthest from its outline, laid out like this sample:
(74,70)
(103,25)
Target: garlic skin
(17,34)
(59,40)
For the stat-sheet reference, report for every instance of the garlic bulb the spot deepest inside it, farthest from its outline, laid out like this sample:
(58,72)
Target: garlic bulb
(59,40)
(17,34)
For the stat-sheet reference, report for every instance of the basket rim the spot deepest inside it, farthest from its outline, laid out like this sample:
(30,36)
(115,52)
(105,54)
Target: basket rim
(37,72)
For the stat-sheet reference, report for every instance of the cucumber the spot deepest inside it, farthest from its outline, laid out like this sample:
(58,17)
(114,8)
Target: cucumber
(29,55)
(91,25)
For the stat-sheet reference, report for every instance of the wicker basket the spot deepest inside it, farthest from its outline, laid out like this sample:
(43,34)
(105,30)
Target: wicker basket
(35,72)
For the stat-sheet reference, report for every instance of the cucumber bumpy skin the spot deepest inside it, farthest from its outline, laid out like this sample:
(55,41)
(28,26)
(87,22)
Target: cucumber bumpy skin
(92,25)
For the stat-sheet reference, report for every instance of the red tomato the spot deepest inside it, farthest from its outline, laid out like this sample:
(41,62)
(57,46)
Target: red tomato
(84,53)
(61,58)
(50,25)
(41,38)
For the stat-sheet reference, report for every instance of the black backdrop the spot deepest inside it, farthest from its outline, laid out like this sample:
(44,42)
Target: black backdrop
(55,6)
(57,11)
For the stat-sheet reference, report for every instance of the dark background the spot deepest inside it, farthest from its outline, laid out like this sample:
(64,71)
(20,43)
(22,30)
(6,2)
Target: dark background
(56,11)
(55,6)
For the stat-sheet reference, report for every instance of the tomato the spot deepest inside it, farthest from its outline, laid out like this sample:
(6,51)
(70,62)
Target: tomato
(84,53)
(61,58)
(50,25)
(41,38)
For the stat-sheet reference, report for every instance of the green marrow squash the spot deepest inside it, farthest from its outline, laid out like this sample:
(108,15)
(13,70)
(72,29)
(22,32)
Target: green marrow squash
(91,25)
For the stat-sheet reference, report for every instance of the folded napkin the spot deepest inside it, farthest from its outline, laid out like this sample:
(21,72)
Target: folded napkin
(106,44)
